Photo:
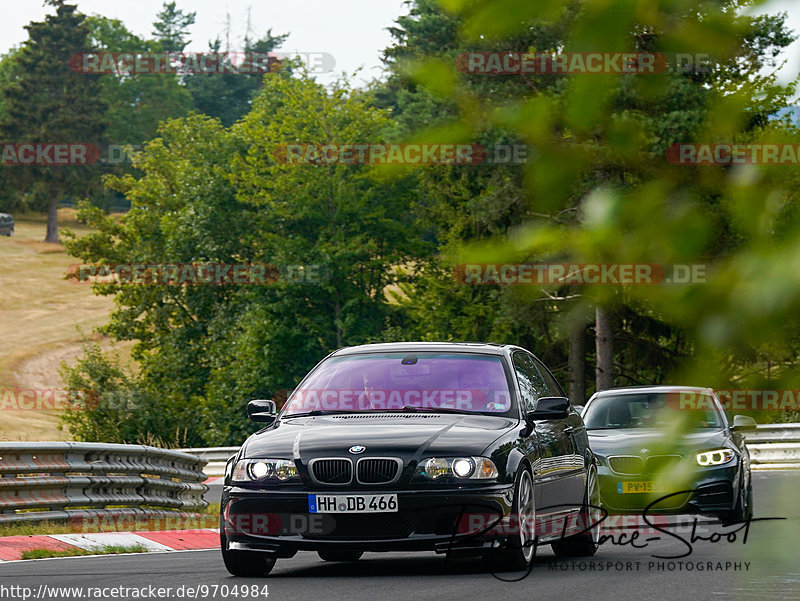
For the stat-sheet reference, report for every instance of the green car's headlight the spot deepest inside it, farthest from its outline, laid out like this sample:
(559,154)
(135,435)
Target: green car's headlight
(463,468)
(716,457)
(264,470)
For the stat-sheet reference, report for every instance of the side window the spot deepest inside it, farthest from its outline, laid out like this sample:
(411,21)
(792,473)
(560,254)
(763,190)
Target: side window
(550,381)
(530,382)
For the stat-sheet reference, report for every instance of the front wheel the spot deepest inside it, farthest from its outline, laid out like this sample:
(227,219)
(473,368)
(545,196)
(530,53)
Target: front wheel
(336,555)
(518,550)
(744,507)
(247,564)
(586,543)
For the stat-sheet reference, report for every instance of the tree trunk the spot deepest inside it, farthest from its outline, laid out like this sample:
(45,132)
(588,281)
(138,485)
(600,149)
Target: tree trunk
(604,349)
(577,364)
(337,310)
(52,221)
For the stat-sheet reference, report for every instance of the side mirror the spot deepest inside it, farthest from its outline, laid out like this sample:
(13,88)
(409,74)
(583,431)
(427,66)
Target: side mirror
(261,410)
(743,423)
(550,407)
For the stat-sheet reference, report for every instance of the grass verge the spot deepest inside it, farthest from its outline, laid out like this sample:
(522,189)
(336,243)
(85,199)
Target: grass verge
(45,320)
(111,550)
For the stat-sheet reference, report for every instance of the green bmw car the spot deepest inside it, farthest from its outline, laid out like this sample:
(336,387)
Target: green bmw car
(670,449)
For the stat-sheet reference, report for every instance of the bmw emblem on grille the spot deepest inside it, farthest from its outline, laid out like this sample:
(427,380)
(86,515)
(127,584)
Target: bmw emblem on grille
(356,449)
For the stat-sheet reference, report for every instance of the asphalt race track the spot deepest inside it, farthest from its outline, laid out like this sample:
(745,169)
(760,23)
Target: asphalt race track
(768,569)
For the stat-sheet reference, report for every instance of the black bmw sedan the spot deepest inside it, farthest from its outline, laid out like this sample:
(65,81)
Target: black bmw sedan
(458,448)
(655,442)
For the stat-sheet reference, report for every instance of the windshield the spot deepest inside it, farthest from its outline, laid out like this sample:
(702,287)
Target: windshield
(425,381)
(650,410)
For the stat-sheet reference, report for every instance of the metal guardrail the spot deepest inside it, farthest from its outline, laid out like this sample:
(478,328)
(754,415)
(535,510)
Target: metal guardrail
(775,433)
(772,446)
(62,480)
(216,457)
(775,446)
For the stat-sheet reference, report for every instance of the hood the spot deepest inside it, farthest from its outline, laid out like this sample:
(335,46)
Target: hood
(634,441)
(406,436)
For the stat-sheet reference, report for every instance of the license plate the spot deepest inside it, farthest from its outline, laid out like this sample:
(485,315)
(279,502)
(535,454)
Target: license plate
(636,487)
(352,503)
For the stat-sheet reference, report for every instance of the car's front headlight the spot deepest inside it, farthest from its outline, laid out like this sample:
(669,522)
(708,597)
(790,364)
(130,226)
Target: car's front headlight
(716,457)
(462,468)
(264,470)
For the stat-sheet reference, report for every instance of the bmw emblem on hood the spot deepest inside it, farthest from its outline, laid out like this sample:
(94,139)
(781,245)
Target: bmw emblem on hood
(356,449)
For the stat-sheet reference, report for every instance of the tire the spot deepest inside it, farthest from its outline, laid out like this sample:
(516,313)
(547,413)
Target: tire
(744,507)
(519,549)
(247,564)
(337,555)
(586,543)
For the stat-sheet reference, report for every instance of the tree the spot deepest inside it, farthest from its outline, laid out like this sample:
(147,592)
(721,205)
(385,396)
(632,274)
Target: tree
(137,102)
(172,26)
(604,344)
(210,194)
(48,103)
(602,191)
(598,137)
(229,96)
(577,364)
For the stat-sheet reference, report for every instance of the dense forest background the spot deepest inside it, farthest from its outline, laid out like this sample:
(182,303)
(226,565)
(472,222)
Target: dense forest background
(597,188)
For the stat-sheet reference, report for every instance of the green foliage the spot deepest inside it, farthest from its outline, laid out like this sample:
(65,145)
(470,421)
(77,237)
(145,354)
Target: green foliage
(212,195)
(116,408)
(137,102)
(171,27)
(229,96)
(48,103)
(597,189)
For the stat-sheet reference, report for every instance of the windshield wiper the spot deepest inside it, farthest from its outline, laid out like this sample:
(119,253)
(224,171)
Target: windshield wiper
(317,412)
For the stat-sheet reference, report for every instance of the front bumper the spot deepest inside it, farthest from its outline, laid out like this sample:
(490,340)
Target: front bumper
(279,522)
(716,490)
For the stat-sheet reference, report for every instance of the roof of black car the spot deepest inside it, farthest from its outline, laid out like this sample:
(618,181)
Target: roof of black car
(406,347)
